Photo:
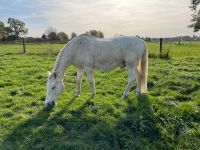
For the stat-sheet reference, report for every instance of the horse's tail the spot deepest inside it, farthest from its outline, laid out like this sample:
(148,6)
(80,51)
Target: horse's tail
(143,72)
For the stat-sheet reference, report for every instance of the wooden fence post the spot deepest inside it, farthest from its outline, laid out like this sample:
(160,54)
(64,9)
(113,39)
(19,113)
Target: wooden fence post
(161,45)
(24,46)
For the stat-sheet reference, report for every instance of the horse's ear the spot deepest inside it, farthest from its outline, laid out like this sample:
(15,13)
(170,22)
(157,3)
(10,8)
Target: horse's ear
(49,73)
(54,75)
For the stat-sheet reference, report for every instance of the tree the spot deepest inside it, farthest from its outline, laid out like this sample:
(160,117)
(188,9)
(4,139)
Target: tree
(49,30)
(100,34)
(95,33)
(17,28)
(44,37)
(195,16)
(2,31)
(63,36)
(73,35)
(52,36)
(13,31)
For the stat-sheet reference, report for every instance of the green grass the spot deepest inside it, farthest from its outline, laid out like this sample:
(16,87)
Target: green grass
(39,48)
(185,49)
(167,118)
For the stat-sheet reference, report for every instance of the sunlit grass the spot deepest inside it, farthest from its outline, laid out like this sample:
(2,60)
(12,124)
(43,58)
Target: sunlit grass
(167,118)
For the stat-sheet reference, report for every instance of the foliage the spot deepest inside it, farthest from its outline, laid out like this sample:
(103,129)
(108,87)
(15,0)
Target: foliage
(49,30)
(14,30)
(44,37)
(52,36)
(17,27)
(73,35)
(2,32)
(195,16)
(95,33)
(63,36)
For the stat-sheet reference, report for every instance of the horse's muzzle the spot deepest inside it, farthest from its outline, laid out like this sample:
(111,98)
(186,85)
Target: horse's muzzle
(50,104)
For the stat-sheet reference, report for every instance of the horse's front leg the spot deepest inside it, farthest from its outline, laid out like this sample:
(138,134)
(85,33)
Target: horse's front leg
(90,76)
(131,79)
(80,72)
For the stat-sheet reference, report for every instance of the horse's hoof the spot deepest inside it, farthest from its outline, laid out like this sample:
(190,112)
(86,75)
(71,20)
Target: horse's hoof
(138,94)
(50,105)
(124,96)
(93,95)
(77,94)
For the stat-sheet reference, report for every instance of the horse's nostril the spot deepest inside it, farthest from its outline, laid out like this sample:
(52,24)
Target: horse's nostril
(50,104)
(53,103)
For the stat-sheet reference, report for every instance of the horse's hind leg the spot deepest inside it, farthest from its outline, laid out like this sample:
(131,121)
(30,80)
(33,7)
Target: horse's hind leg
(80,72)
(137,70)
(90,76)
(131,78)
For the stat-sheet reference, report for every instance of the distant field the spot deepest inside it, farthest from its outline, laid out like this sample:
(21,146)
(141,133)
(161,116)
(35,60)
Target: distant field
(39,48)
(167,118)
(185,49)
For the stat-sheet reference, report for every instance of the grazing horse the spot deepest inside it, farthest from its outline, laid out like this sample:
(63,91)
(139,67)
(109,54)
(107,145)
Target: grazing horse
(86,53)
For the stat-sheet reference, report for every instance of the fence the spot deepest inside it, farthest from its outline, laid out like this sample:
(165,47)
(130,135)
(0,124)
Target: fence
(31,48)
(176,50)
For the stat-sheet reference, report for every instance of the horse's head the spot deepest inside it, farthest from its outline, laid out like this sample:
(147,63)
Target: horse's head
(54,87)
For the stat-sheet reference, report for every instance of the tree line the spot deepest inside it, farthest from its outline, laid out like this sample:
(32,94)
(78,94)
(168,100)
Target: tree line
(15,30)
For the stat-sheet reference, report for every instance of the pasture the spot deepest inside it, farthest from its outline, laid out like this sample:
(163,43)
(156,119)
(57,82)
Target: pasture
(167,118)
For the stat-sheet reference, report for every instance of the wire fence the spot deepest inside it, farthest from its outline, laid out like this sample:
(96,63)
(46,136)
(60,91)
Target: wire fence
(176,50)
(31,48)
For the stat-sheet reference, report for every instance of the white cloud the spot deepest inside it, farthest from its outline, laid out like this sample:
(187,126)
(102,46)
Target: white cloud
(127,17)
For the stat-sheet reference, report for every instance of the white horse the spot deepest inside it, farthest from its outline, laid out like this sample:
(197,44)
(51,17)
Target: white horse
(86,53)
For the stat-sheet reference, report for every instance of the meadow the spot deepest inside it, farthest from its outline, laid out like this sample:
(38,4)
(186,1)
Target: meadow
(167,118)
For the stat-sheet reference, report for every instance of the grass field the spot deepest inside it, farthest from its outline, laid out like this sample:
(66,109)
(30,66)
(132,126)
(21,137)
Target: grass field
(167,118)
(185,49)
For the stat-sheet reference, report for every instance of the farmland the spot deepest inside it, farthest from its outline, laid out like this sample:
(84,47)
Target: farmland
(167,118)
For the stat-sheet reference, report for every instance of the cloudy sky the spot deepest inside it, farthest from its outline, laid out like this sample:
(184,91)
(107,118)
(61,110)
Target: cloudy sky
(154,18)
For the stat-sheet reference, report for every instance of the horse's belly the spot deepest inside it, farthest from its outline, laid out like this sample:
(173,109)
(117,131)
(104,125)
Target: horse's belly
(106,66)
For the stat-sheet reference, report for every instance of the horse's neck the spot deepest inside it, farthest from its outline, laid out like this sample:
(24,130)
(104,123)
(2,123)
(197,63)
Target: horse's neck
(61,64)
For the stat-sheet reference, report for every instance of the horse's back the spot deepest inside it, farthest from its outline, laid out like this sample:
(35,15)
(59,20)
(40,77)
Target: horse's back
(106,54)
(132,48)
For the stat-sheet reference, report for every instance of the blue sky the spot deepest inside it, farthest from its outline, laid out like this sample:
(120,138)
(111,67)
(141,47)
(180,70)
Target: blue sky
(155,18)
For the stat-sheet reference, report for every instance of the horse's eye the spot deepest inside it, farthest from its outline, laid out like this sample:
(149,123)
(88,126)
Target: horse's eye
(53,88)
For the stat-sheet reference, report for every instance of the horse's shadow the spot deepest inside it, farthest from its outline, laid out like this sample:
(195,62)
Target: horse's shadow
(141,123)
(76,130)
(24,136)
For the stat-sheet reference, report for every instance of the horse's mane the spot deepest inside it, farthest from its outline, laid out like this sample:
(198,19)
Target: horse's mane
(86,35)
(57,63)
